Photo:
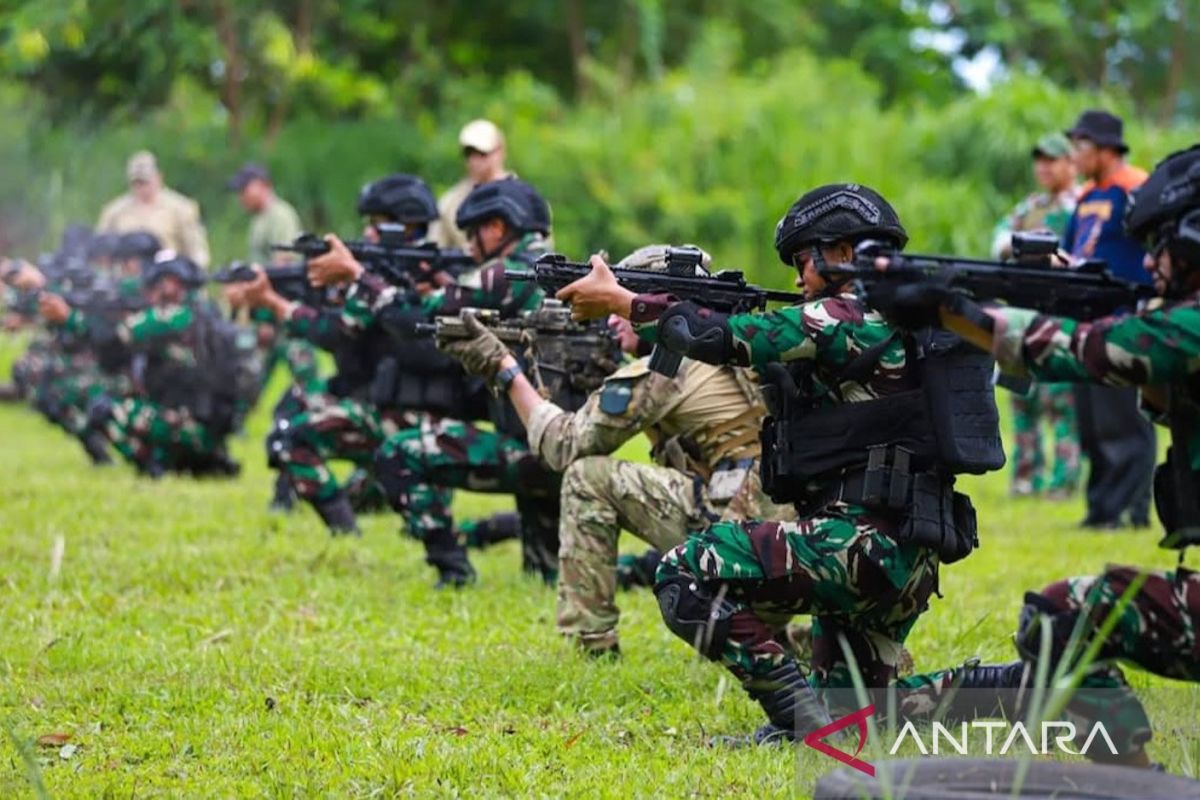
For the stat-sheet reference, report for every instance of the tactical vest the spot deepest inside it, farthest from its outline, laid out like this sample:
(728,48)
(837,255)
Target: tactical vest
(211,384)
(896,454)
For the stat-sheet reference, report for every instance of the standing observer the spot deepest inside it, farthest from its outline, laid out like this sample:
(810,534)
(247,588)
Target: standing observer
(1118,441)
(273,219)
(151,206)
(1049,208)
(483,152)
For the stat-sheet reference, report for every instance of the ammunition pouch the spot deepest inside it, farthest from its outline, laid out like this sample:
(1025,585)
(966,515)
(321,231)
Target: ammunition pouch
(446,392)
(935,516)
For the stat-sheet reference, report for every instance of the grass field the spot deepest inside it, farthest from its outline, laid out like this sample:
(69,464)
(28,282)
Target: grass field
(190,644)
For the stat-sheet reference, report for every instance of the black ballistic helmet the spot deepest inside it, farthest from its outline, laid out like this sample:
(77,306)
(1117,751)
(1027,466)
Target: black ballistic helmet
(1166,208)
(103,245)
(400,197)
(137,244)
(181,267)
(510,199)
(837,211)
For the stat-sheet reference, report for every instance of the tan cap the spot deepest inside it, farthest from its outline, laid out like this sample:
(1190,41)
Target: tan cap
(481,135)
(141,166)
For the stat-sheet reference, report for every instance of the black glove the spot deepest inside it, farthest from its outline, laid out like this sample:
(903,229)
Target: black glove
(911,305)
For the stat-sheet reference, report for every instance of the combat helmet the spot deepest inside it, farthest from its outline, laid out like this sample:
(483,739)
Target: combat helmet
(837,211)
(400,197)
(512,200)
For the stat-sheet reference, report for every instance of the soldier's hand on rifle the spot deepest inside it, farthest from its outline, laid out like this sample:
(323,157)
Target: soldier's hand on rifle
(335,267)
(480,354)
(53,308)
(597,294)
(235,294)
(25,277)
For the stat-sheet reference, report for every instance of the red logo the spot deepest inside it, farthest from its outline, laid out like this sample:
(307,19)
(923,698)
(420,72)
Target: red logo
(858,718)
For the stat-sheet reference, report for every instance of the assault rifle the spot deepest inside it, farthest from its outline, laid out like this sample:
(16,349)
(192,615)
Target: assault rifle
(726,291)
(1084,291)
(577,355)
(289,282)
(392,258)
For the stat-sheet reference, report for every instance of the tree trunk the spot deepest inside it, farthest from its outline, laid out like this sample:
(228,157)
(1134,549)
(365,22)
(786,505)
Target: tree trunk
(577,41)
(1175,68)
(231,84)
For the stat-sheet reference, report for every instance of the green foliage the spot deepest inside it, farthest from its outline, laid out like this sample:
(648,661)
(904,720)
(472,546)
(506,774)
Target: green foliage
(711,153)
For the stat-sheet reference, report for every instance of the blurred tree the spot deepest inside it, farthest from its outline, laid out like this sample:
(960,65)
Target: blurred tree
(1145,48)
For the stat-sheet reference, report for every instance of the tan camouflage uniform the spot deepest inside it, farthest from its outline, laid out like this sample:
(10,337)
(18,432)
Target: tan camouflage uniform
(172,217)
(704,425)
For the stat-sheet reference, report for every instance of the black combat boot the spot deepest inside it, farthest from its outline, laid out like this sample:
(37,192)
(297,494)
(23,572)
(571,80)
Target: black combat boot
(337,515)
(283,500)
(793,709)
(633,571)
(96,447)
(444,552)
(988,690)
(483,533)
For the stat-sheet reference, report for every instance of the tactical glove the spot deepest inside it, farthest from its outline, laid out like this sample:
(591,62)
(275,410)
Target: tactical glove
(480,354)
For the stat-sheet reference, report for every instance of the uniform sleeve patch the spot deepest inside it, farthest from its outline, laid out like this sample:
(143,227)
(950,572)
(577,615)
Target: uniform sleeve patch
(616,396)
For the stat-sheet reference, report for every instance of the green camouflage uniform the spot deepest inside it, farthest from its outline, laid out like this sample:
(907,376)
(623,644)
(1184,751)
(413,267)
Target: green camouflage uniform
(843,566)
(704,423)
(1053,403)
(145,432)
(314,427)
(1158,629)
(419,466)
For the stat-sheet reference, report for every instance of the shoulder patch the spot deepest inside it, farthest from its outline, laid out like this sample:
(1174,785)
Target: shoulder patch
(616,395)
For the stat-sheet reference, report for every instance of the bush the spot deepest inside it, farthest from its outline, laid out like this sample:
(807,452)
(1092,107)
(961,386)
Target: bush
(708,154)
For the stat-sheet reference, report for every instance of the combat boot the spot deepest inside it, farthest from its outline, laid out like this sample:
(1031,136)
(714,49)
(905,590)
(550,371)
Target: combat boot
(283,500)
(96,447)
(483,533)
(633,571)
(988,690)
(792,706)
(444,552)
(337,515)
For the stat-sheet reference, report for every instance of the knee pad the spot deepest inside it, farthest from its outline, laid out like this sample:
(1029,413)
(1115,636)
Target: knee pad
(696,332)
(1040,610)
(279,441)
(392,473)
(694,615)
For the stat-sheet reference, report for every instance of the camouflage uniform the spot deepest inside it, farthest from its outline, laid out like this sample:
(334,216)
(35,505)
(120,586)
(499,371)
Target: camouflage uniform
(1053,403)
(313,426)
(1157,631)
(147,433)
(418,466)
(704,423)
(842,566)
(172,217)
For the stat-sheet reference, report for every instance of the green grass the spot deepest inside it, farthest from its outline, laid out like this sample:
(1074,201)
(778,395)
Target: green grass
(193,645)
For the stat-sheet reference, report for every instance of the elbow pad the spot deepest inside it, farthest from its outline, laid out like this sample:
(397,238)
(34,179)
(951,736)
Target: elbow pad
(699,333)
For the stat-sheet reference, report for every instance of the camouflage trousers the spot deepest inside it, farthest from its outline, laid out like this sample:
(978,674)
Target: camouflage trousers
(65,391)
(148,434)
(1157,631)
(1053,403)
(420,465)
(864,590)
(600,496)
(298,356)
(327,429)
